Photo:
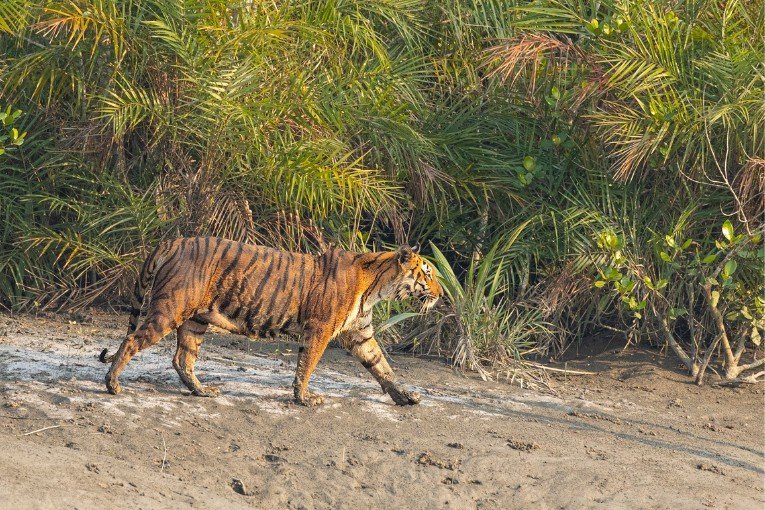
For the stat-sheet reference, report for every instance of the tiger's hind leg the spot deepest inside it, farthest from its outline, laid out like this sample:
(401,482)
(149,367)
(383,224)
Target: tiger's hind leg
(154,329)
(364,347)
(190,337)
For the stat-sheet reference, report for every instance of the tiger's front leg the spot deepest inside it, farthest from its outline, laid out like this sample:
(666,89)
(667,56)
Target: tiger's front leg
(316,343)
(364,347)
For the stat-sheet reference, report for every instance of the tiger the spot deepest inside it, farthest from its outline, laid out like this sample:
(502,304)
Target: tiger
(260,291)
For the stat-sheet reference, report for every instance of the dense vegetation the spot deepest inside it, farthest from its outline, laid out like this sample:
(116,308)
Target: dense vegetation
(577,165)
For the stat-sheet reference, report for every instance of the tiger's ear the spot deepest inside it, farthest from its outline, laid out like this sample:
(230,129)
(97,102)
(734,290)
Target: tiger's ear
(416,248)
(404,254)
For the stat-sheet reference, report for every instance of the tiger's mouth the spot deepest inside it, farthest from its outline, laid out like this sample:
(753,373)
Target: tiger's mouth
(428,302)
(426,299)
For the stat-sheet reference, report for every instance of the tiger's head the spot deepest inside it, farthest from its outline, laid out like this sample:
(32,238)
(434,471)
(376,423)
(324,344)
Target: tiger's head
(417,278)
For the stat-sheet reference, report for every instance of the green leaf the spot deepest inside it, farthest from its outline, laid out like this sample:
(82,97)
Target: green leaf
(600,283)
(709,258)
(529,163)
(670,241)
(395,320)
(730,267)
(727,230)
(687,243)
(755,336)
(715,298)
(555,93)
(661,284)
(665,257)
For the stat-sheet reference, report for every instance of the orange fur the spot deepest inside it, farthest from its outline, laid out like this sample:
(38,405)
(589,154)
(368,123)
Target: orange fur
(260,291)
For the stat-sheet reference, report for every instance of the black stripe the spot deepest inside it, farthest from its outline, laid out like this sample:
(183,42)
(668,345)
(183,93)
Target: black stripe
(263,281)
(197,262)
(276,293)
(245,276)
(335,265)
(265,328)
(234,290)
(249,320)
(199,320)
(172,269)
(368,264)
(161,295)
(287,272)
(222,257)
(375,361)
(233,263)
(286,326)
(374,284)
(203,263)
(302,275)
(326,281)
(289,285)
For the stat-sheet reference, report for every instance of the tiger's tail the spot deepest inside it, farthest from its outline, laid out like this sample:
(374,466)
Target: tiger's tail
(148,270)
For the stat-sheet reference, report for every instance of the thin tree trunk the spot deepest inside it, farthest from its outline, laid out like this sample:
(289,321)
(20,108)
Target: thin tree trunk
(731,366)
(705,361)
(691,365)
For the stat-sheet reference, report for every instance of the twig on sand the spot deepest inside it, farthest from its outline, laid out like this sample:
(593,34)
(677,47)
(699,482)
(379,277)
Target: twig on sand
(40,430)
(164,457)
(750,379)
(561,370)
(238,362)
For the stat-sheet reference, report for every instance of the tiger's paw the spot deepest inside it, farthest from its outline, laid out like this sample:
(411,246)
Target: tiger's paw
(206,391)
(113,387)
(310,400)
(402,397)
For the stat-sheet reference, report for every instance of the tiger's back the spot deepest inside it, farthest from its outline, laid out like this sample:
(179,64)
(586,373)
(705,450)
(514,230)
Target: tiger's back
(246,289)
